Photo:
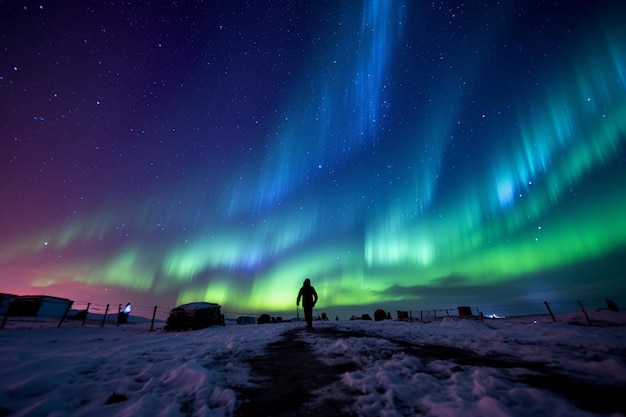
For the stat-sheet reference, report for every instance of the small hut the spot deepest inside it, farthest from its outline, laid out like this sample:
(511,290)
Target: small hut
(34,305)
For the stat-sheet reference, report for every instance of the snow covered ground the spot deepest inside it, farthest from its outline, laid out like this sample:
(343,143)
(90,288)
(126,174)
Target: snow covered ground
(528,366)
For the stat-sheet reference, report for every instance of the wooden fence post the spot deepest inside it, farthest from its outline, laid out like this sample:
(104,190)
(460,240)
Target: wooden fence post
(105,316)
(611,305)
(86,312)
(584,312)
(153,315)
(67,310)
(550,311)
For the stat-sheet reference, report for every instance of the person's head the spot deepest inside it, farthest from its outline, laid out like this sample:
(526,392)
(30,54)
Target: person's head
(307,282)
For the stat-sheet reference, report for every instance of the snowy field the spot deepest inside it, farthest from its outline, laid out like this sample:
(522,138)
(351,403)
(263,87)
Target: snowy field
(526,366)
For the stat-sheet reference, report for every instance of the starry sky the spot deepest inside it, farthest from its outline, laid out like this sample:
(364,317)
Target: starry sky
(407,154)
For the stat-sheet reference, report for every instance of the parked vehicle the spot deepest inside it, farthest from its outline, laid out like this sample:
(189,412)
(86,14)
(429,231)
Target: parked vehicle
(194,316)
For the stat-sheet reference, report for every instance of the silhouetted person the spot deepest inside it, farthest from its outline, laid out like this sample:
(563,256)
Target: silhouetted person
(123,316)
(309,297)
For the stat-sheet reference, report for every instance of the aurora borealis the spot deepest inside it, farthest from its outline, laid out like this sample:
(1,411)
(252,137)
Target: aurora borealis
(399,153)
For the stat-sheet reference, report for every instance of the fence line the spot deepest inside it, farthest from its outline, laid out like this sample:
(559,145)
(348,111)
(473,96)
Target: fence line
(82,313)
(36,311)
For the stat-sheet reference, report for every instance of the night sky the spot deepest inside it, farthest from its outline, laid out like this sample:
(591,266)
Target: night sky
(406,154)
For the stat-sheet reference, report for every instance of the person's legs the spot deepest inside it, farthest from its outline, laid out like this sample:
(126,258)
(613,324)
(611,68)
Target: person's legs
(308,316)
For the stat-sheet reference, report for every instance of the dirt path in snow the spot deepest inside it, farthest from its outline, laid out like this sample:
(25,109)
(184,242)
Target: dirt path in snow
(289,375)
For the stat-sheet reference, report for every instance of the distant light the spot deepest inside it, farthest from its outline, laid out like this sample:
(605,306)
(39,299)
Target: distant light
(45,243)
